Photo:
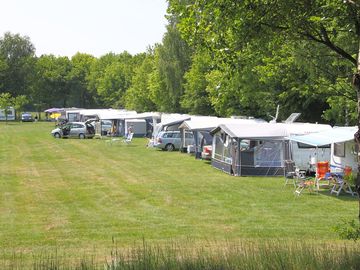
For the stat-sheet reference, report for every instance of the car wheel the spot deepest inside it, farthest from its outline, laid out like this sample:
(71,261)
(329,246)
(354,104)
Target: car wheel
(170,147)
(81,136)
(57,135)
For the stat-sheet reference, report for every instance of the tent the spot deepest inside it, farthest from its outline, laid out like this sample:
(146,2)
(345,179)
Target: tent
(201,127)
(245,149)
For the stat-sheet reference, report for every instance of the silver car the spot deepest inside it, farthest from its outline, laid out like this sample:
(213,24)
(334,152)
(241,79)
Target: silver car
(171,140)
(74,130)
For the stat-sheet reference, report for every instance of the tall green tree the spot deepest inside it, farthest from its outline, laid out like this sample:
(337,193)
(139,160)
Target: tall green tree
(228,28)
(97,70)
(80,93)
(115,80)
(138,96)
(17,59)
(172,60)
(53,81)
(195,99)
(19,103)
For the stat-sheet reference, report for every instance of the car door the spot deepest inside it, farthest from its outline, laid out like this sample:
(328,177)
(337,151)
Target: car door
(177,140)
(75,130)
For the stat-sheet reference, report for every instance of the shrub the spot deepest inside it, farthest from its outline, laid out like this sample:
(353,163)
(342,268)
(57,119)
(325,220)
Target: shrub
(348,230)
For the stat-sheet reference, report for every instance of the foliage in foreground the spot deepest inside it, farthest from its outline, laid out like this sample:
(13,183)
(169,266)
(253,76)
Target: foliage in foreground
(349,230)
(245,255)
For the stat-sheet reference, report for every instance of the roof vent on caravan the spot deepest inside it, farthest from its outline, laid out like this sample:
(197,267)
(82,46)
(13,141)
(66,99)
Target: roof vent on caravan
(292,118)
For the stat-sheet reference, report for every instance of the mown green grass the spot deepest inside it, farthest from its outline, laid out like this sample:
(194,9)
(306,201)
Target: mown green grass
(78,195)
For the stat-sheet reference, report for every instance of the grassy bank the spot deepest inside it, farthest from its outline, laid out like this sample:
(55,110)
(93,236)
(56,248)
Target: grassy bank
(240,255)
(77,195)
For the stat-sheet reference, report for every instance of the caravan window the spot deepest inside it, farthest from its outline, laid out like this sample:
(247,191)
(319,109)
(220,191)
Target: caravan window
(339,149)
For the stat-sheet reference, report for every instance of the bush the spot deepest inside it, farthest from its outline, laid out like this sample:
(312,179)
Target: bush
(348,230)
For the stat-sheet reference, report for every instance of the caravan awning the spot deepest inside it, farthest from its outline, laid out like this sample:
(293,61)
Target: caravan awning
(254,131)
(211,122)
(335,135)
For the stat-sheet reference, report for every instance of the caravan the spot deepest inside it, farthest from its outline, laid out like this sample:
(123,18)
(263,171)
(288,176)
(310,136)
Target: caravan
(10,114)
(343,148)
(305,156)
(345,153)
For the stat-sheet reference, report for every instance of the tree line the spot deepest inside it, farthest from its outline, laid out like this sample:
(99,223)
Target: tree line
(218,58)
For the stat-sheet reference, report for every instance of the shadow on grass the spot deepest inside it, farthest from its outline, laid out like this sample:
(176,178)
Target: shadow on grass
(342,196)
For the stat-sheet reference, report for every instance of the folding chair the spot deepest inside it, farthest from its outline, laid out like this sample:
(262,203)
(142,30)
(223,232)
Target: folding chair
(341,184)
(322,174)
(306,183)
(290,173)
(129,138)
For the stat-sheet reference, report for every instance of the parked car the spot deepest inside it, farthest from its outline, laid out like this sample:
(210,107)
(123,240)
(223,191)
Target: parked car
(26,117)
(74,130)
(171,140)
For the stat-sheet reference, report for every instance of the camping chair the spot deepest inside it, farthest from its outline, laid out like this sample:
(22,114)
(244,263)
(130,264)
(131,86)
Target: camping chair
(297,178)
(322,174)
(129,137)
(292,174)
(341,184)
(306,183)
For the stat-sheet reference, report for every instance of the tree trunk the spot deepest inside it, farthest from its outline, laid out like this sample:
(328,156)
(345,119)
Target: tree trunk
(356,84)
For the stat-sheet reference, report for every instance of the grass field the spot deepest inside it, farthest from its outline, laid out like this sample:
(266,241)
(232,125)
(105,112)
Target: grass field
(79,195)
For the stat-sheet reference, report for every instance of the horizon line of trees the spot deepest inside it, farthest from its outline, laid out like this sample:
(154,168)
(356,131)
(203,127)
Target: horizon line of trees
(217,58)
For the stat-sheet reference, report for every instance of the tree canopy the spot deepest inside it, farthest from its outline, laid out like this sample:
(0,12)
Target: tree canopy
(218,57)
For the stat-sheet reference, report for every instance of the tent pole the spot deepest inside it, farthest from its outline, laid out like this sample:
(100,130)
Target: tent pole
(239,155)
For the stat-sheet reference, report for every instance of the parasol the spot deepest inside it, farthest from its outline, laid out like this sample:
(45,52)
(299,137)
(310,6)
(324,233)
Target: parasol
(55,115)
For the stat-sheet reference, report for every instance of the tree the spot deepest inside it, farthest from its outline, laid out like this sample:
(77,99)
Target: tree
(17,54)
(80,93)
(196,99)
(19,102)
(115,80)
(110,76)
(172,60)
(138,96)
(228,27)
(53,81)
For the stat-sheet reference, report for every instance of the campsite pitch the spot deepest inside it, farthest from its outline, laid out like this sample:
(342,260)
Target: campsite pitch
(80,194)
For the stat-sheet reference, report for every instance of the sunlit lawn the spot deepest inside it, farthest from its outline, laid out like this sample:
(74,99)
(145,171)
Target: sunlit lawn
(80,194)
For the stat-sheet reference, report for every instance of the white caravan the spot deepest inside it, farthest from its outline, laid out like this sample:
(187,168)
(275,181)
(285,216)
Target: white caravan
(305,156)
(343,150)
(10,114)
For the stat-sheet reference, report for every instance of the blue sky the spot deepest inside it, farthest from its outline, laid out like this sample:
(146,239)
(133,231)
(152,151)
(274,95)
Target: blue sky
(65,27)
